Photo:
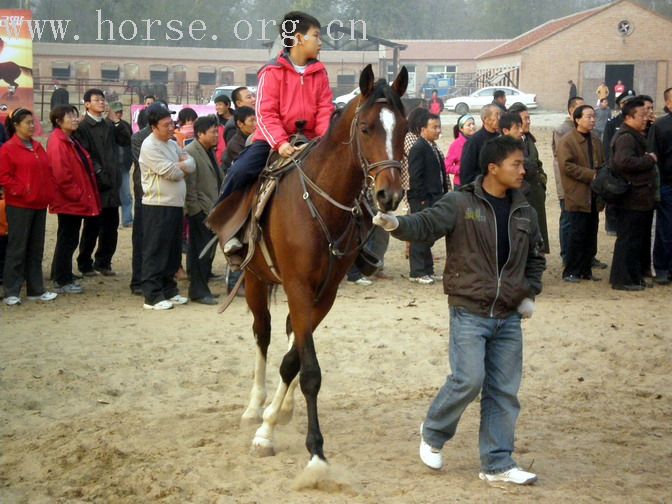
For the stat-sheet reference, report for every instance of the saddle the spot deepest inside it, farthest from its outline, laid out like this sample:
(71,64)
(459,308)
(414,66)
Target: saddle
(240,214)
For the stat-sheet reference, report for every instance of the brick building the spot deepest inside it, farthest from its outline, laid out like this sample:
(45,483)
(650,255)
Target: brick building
(621,40)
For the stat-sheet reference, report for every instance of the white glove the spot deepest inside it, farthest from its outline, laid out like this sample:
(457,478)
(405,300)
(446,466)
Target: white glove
(387,221)
(526,308)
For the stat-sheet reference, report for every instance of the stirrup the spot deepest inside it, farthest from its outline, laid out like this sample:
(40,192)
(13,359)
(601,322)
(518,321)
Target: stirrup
(233,245)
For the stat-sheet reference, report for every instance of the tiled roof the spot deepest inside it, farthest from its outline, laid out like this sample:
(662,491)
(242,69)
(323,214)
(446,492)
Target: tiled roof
(540,33)
(445,50)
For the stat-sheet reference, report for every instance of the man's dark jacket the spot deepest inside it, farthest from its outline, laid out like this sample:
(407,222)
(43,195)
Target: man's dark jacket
(661,144)
(101,139)
(427,173)
(471,276)
(469,165)
(631,162)
(136,143)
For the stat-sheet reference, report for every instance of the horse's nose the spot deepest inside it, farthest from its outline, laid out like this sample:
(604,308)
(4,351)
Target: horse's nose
(388,200)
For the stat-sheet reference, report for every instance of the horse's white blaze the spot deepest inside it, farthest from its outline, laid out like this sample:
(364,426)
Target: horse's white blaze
(258,394)
(389,121)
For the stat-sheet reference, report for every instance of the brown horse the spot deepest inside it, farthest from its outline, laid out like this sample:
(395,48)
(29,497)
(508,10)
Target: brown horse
(313,235)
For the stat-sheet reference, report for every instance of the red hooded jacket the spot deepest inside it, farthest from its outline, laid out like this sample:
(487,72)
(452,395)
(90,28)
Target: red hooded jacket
(76,190)
(285,96)
(25,175)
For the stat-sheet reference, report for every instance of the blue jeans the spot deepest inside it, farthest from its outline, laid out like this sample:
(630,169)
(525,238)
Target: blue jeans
(126,200)
(486,356)
(246,169)
(662,246)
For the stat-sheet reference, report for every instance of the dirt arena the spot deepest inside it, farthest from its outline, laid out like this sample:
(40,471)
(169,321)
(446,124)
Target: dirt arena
(104,402)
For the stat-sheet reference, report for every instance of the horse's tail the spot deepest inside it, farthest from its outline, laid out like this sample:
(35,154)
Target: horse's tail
(26,69)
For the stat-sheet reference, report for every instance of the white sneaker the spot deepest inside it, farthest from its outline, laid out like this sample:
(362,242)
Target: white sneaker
(423,280)
(515,475)
(431,457)
(161,305)
(177,299)
(363,281)
(232,245)
(45,296)
(12,301)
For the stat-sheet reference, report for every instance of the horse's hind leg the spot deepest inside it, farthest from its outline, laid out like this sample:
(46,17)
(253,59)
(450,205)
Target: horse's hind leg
(287,409)
(256,294)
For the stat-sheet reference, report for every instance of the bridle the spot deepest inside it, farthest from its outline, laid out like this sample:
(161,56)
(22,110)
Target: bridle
(356,143)
(342,245)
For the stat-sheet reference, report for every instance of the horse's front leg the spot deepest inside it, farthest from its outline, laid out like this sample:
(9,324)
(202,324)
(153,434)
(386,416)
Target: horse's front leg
(262,444)
(311,380)
(256,294)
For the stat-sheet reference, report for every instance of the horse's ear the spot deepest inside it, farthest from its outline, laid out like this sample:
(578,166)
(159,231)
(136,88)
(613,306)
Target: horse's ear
(366,81)
(401,82)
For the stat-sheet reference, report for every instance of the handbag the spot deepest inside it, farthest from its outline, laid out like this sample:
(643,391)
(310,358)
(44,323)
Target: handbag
(608,185)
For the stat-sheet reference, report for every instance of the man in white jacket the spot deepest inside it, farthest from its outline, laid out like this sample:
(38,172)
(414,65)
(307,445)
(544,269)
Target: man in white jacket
(163,166)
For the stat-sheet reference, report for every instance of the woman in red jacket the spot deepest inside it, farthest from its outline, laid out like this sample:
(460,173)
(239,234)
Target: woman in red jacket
(75,196)
(26,177)
(462,131)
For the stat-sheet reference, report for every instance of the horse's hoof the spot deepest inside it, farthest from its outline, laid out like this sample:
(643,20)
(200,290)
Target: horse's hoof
(262,447)
(285,416)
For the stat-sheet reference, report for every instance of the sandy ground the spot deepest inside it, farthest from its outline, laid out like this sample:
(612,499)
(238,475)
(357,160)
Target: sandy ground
(101,401)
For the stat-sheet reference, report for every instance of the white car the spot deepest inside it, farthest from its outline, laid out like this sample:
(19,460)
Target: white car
(227,90)
(478,99)
(343,100)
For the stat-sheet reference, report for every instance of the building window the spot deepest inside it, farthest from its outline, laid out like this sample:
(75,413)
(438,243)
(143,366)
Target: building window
(442,71)
(207,76)
(345,80)
(251,77)
(131,71)
(60,70)
(226,76)
(109,72)
(158,74)
(82,70)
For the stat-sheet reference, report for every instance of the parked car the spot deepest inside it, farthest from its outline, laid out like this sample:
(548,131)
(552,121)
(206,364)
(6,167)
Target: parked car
(478,99)
(443,86)
(227,90)
(342,101)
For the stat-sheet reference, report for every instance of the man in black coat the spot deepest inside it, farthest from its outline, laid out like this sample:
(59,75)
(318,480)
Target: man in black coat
(101,137)
(427,185)
(499,99)
(661,143)
(634,210)
(469,166)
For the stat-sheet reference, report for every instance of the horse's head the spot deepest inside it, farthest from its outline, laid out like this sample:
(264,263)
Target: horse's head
(378,131)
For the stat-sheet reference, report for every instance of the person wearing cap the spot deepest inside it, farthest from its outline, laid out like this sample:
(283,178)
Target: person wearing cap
(125,162)
(163,167)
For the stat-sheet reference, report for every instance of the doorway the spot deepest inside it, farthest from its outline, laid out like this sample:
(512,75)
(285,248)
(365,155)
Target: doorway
(614,73)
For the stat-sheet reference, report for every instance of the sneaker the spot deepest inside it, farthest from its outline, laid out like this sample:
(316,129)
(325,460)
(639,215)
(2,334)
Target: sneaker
(45,296)
(515,475)
(106,271)
(431,457)
(89,273)
(362,281)
(12,301)
(572,279)
(161,305)
(662,280)
(596,263)
(71,288)
(177,299)
(423,280)
(233,245)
